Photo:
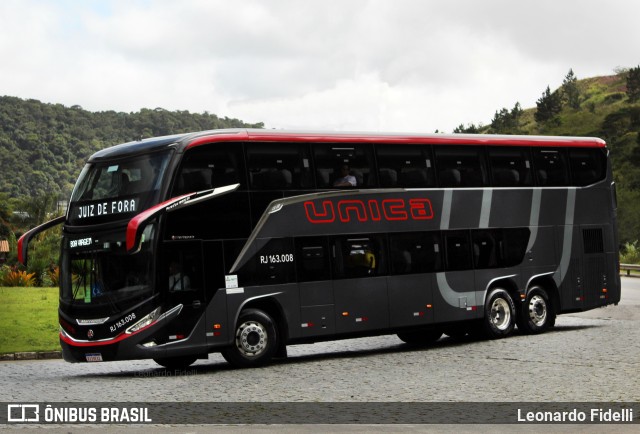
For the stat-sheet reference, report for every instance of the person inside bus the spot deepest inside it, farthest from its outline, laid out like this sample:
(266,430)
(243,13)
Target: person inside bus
(178,281)
(346,179)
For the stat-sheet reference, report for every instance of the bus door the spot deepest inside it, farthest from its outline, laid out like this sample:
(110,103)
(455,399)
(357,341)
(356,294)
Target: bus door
(413,258)
(360,283)
(317,315)
(183,284)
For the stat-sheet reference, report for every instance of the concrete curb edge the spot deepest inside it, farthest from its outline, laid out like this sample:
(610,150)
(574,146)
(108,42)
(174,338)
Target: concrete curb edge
(31,355)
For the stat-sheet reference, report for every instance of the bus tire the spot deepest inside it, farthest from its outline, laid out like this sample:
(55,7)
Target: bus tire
(499,314)
(537,313)
(255,340)
(181,362)
(420,337)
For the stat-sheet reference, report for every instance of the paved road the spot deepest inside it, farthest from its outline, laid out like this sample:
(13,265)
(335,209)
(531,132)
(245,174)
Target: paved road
(591,356)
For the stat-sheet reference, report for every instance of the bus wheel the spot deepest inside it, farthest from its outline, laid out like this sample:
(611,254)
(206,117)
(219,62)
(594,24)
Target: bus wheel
(176,362)
(499,314)
(255,340)
(420,337)
(537,313)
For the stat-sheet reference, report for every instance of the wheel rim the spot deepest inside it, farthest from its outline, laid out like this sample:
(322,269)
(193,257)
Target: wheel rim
(251,339)
(537,310)
(500,314)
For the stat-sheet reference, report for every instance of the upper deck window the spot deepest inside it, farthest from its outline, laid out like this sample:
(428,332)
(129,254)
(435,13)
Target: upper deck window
(409,166)
(208,167)
(279,166)
(344,166)
(587,166)
(551,167)
(461,166)
(510,167)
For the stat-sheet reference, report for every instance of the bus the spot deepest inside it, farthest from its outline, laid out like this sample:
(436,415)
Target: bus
(246,241)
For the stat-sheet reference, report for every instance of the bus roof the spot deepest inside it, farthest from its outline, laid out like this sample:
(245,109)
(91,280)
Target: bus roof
(257,135)
(189,140)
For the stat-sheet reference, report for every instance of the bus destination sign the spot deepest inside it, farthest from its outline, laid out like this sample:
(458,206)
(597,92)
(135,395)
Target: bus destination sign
(106,208)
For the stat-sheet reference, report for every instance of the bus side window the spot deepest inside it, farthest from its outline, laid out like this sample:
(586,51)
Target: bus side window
(330,160)
(458,250)
(510,167)
(412,253)
(487,248)
(498,248)
(461,166)
(587,166)
(407,166)
(359,256)
(278,166)
(515,245)
(551,168)
(181,266)
(209,166)
(312,259)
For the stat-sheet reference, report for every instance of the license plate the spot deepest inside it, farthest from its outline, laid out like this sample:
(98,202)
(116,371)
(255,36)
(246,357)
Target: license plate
(94,357)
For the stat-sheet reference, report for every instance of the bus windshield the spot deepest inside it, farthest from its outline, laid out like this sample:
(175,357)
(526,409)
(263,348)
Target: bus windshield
(117,189)
(98,273)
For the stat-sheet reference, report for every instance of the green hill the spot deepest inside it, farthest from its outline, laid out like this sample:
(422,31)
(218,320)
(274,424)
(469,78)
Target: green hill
(602,109)
(44,146)
(599,98)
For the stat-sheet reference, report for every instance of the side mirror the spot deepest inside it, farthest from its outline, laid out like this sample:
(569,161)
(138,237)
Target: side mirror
(23,242)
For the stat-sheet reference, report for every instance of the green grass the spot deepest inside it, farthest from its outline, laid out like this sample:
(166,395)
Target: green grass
(28,319)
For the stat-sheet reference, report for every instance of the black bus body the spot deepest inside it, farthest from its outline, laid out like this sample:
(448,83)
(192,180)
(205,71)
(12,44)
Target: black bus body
(237,241)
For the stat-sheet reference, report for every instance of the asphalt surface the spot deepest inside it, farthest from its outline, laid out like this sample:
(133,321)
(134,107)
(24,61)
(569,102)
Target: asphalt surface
(588,357)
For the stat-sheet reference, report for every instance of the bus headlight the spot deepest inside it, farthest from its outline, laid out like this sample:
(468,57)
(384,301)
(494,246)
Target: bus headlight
(144,322)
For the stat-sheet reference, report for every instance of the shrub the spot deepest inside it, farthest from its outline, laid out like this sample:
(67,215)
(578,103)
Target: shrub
(50,278)
(18,278)
(4,270)
(630,253)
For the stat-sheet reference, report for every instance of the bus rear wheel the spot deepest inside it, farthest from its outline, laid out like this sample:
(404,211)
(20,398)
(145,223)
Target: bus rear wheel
(537,313)
(420,337)
(176,362)
(499,314)
(255,340)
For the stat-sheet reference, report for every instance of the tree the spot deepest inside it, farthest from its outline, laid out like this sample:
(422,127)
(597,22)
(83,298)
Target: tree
(6,212)
(507,122)
(39,208)
(548,107)
(633,84)
(570,90)
(469,129)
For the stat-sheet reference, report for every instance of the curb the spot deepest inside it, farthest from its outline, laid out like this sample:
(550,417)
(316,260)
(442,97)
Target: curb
(32,355)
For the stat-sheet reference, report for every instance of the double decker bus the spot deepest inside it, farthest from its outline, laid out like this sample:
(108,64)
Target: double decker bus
(246,241)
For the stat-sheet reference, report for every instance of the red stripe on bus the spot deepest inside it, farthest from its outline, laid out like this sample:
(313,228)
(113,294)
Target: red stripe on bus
(134,223)
(115,340)
(440,139)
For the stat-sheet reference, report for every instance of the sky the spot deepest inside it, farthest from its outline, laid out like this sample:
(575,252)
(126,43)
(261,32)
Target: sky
(343,65)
